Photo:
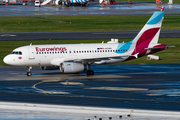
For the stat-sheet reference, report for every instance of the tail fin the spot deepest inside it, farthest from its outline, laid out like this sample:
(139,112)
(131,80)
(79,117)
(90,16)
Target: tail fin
(148,36)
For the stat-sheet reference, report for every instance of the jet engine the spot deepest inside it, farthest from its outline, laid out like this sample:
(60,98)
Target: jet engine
(71,67)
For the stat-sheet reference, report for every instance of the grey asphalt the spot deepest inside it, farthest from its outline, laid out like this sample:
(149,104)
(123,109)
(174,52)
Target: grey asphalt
(148,86)
(81,35)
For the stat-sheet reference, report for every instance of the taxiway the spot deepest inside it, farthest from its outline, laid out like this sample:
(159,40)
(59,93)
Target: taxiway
(148,86)
(80,35)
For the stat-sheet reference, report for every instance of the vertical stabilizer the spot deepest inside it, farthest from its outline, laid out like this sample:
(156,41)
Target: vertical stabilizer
(149,35)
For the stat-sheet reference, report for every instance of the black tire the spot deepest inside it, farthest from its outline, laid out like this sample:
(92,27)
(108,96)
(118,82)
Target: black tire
(90,72)
(29,73)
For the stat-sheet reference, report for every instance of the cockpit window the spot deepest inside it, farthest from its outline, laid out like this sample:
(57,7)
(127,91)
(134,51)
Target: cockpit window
(17,52)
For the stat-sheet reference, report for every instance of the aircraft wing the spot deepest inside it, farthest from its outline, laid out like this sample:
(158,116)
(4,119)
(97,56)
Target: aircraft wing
(90,60)
(100,60)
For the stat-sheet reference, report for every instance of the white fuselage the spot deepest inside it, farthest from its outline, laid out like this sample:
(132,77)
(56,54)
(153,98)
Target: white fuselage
(42,55)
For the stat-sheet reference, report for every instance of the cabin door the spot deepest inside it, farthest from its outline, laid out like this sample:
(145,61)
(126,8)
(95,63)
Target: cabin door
(31,53)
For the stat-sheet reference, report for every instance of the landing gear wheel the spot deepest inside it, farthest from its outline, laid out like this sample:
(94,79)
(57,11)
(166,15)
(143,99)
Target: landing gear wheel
(90,72)
(29,73)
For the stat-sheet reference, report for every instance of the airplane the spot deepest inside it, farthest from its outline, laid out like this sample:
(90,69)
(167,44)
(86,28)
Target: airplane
(76,58)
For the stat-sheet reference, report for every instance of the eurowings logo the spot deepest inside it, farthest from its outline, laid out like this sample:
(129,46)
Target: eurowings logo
(62,49)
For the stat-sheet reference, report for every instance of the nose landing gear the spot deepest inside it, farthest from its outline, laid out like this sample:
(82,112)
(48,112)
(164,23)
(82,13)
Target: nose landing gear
(29,71)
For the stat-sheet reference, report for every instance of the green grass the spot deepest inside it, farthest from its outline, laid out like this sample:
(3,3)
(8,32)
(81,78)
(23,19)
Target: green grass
(82,23)
(170,55)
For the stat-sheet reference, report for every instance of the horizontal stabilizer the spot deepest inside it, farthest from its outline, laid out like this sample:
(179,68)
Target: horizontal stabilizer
(154,48)
(165,47)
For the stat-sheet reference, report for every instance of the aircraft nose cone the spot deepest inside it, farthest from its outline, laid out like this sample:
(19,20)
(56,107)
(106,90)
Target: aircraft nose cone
(6,60)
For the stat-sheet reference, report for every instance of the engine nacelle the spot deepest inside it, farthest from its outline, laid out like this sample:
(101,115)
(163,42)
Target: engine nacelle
(50,67)
(70,67)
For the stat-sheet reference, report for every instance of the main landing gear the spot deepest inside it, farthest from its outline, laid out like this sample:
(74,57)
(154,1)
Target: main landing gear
(89,71)
(29,71)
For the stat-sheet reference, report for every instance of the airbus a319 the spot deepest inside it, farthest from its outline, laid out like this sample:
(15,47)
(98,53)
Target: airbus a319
(76,58)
